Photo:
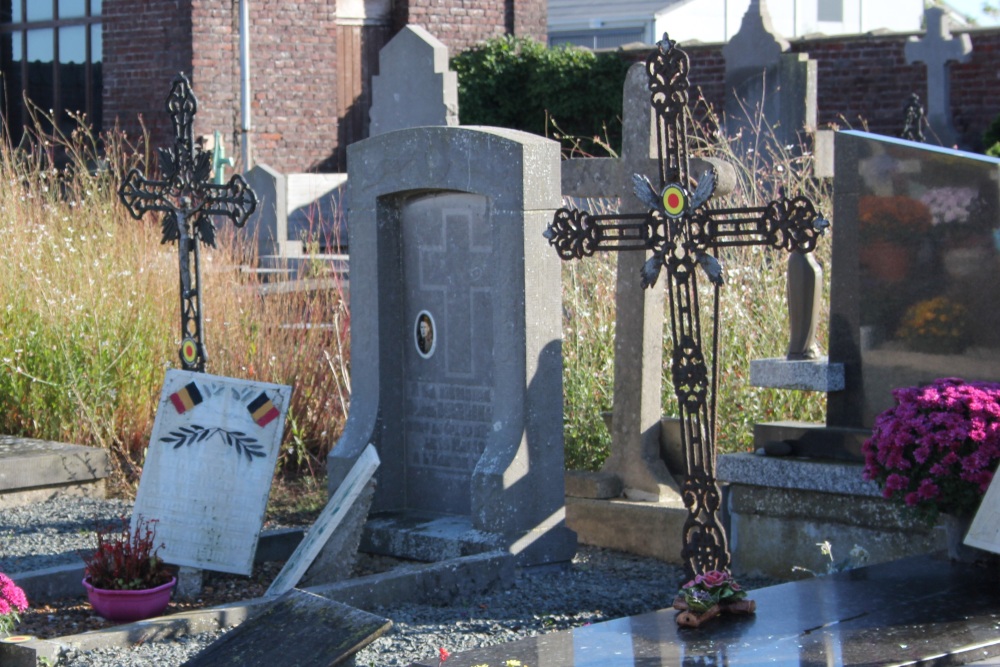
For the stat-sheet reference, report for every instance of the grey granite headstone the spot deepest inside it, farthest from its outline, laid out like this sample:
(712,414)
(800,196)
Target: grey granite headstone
(936,49)
(268,224)
(761,78)
(455,343)
(296,213)
(414,86)
(918,229)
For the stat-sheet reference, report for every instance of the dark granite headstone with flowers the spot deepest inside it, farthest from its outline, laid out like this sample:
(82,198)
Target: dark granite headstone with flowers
(914,277)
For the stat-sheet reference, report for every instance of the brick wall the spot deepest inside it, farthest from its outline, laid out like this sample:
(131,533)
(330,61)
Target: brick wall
(293,79)
(460,24)
(295,67)
(146,43)
(865,81)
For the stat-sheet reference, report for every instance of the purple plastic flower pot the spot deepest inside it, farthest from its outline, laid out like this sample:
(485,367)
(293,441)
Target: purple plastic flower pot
(128,606)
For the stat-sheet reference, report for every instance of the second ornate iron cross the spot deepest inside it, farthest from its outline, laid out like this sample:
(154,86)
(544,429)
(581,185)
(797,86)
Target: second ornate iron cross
(188,200)
(683,233)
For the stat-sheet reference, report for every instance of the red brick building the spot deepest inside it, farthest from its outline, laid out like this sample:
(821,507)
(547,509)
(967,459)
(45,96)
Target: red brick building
(311,63)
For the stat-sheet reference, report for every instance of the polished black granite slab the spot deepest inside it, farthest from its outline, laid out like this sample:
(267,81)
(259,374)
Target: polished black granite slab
(922,610)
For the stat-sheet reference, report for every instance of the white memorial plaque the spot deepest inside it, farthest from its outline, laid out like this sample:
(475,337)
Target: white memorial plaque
(209,467)
(327,523)
(984,533)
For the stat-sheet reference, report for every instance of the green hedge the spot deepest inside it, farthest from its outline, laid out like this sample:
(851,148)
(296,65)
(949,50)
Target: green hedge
(566,93)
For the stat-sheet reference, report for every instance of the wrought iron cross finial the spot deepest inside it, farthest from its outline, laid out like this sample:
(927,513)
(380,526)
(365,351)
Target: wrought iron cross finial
(188,200)
(913,120)
(684,233)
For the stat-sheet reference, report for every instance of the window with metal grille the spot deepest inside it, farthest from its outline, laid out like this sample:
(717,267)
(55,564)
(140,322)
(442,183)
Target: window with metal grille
(50,54)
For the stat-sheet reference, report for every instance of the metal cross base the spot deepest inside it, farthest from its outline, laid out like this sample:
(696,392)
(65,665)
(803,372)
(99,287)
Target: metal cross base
(683,233)
(188,199)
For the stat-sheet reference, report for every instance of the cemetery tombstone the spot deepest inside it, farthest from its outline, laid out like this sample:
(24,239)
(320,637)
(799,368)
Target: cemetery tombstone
(209,465)
(937,49)
(915,270)
(761,78)
(414,86)
(914,276)
(327,537)
(299,628)
(455,330)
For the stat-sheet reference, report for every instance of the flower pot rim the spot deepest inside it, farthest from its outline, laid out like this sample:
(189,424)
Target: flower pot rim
(90,586)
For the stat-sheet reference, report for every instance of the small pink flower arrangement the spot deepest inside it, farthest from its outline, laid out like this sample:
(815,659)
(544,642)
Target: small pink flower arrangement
(938,448)
(13,602)
(709,589)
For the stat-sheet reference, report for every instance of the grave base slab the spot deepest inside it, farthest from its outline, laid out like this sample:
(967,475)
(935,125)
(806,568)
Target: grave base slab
(37,470)
(651,529)
(781,508)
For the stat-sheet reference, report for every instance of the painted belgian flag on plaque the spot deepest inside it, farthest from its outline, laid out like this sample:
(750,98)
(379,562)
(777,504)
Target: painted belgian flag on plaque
(262,410)
(186,397)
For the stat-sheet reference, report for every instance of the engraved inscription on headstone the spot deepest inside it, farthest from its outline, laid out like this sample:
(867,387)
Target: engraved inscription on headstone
(209,466)
(448,401)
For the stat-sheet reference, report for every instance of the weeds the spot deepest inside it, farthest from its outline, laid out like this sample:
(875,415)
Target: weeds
(90,317)
(753,313)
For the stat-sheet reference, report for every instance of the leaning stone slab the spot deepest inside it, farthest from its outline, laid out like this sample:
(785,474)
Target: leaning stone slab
(330,531)
(299,628)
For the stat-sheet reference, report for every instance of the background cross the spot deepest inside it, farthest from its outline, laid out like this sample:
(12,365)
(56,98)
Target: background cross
(684,233)
(936,50)
(188,200)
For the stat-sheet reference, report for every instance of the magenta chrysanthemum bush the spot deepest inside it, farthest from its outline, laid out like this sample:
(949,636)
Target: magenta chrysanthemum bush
(938,448)
(12,603)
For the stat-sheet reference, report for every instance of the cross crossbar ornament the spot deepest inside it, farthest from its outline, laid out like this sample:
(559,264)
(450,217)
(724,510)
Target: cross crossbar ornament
(684,233)
(188,199)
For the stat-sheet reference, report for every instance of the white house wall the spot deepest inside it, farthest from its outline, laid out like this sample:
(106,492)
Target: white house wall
(719,20)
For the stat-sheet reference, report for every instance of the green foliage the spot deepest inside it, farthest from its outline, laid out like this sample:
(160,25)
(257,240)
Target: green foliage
(991,138)
(518,83)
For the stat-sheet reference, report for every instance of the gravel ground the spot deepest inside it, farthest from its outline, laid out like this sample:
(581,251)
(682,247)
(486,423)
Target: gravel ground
(598,585)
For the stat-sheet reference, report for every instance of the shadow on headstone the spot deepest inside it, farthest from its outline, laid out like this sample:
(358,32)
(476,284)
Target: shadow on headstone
(299,628)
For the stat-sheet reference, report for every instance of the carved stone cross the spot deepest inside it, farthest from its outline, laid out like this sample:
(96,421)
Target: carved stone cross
(635,429)
(683,233)
(938,48)
(188,199)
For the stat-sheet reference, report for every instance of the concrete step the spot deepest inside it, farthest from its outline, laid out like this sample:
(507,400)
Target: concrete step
(37,470)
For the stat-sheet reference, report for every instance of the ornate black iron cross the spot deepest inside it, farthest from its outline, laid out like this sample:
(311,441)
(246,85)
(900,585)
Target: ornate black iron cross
(188,199)
(682,232)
